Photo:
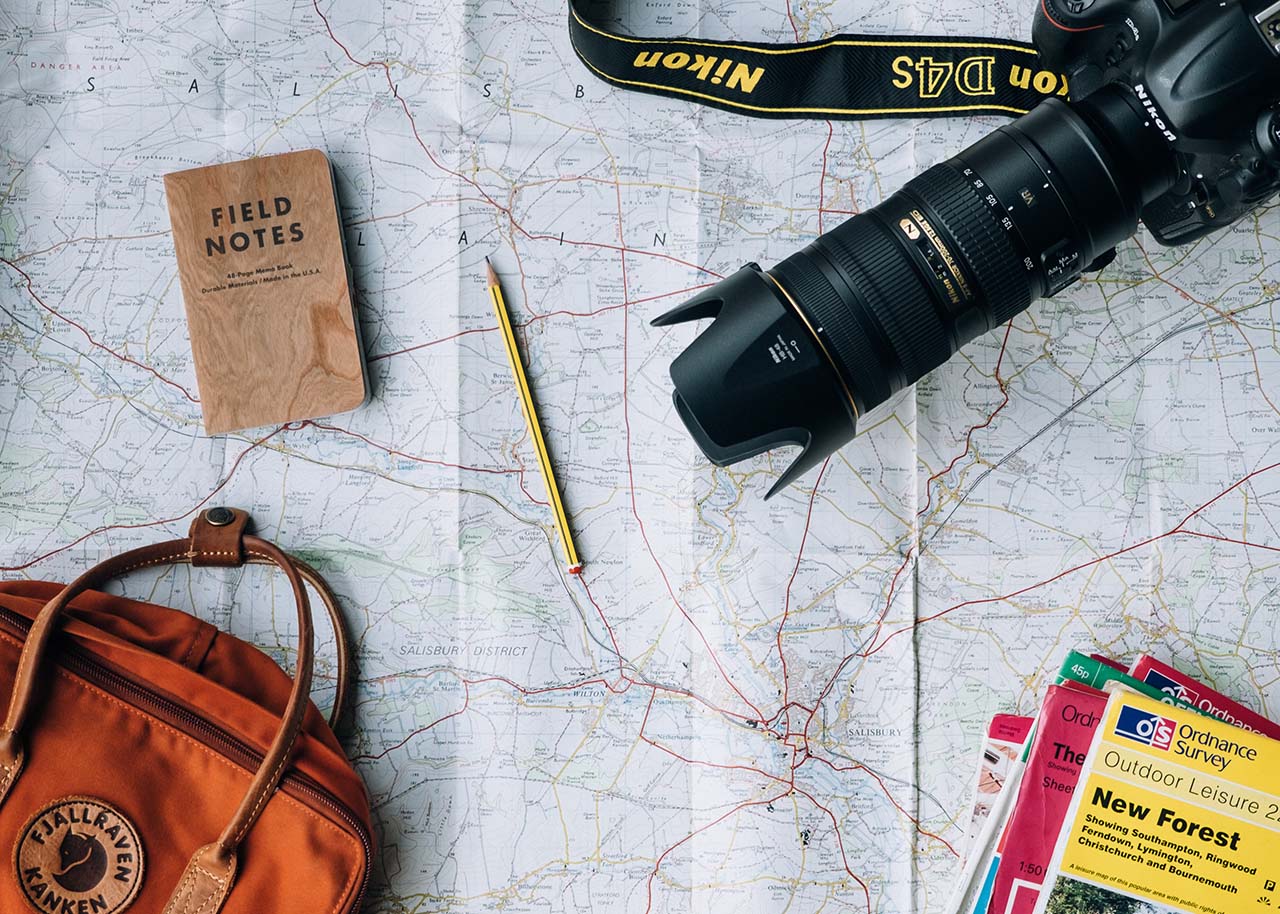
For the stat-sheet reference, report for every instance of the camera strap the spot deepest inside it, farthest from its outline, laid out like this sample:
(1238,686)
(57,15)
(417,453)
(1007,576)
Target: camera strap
(837,78)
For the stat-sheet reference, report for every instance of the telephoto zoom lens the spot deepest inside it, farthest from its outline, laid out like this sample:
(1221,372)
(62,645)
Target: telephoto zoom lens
(798,353)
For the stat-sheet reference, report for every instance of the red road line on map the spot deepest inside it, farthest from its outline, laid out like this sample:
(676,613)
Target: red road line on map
(698,288)
(466,705)
(525,489)
(466,702)
(1224,493)
(786,707)
(689,761)
(1227,539)
(444,339)
(792,19)
(693,834)
(835,827)
(153,523)
(631,477)
(912,819)
(625,304)
(539,317)
(786,606)
(622,249)
(968,439)
(89,336)
(822,181)
(1017,593)
(397,453)
(1176,531)
(928,486)
(106,239)
(467,684)
(413,125)
(609,628)
(523,690)
(613,689)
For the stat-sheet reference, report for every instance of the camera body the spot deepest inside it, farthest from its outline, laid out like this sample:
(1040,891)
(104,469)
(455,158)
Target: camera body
(1207,73)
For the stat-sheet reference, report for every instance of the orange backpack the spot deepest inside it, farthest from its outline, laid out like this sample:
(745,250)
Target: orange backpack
(148,760)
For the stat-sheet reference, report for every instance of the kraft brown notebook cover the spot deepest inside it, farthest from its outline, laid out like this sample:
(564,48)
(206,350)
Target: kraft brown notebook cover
(267,291)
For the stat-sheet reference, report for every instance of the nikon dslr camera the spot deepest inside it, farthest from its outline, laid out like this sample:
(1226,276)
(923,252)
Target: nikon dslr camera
(1174,119)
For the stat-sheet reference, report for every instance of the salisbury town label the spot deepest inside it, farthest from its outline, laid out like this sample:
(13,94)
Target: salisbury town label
(79,856)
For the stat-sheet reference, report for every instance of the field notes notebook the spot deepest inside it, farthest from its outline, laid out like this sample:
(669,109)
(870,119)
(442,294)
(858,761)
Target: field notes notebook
(264,278)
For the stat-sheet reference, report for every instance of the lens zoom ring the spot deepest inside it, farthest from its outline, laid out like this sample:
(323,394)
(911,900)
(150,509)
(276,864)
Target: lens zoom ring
(882,276)
(981,243)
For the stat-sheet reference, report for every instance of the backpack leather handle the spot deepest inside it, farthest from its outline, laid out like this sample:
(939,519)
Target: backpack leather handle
(209,874)
(342,677)
(217,539)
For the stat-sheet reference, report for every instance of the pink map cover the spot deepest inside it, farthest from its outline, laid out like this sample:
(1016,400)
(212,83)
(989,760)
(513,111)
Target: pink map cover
(1068,718)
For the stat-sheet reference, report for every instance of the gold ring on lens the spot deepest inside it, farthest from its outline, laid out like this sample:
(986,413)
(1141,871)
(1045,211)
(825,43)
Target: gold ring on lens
(818,339)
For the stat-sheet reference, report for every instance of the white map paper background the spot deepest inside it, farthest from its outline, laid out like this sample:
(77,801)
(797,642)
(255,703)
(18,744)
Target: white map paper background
(742,706)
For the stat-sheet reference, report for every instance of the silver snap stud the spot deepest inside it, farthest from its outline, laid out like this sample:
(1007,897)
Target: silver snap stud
(219,517)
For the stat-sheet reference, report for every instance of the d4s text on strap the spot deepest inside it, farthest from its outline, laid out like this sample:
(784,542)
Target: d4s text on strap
(844,77)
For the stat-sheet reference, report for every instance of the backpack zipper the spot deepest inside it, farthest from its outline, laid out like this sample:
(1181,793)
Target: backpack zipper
(106,676)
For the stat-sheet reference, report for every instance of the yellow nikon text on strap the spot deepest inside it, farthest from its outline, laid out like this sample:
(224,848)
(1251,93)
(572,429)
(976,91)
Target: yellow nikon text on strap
(842,77)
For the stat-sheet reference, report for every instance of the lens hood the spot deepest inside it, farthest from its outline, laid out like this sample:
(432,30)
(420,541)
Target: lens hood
(758,378)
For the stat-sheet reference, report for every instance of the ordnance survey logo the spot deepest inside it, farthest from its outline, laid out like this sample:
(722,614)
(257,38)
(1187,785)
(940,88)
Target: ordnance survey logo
(79,855)
(1171,688)
(1146,728)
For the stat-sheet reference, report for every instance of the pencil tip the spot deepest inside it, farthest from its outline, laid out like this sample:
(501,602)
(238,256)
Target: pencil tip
(493,276)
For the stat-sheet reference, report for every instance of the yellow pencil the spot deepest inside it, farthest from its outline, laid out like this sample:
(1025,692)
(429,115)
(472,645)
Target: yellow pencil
(531,417)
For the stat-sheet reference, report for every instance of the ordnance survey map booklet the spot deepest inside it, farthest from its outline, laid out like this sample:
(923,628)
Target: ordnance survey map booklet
(1175,811)
(1068,720)
(990,877)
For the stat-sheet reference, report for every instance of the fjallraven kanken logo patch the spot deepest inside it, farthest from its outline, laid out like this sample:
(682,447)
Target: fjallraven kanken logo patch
(79,855)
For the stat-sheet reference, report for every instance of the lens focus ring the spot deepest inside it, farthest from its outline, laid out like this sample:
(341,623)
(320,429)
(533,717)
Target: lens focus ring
(886,283)
(982,244)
